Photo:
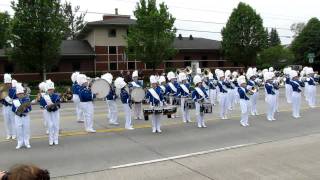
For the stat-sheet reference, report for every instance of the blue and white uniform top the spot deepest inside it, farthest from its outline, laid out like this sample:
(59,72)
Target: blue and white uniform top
(311,81)
(155,96)
(235,83)
(199,94)
(17,102)
(184,90)
(251,84)
(269,89)
(228,85)
(75,88)
(85,94)
(212,85)
(288,81)
(243,93)
(296,84)
(47,99)
(222,87)
(125,96)
(135,84)
(7,101)
(112,94)
(172,88)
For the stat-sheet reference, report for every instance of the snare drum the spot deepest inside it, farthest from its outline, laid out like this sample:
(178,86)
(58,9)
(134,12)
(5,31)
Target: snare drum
(206,108)
(158,110)
(176,101)
(189,104)
(169,110)
(146,113)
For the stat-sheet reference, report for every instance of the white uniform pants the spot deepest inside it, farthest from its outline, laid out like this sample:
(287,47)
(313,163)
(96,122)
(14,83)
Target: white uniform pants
(156,122)
(223,105)
(200,116)
(80,113)
(230,98)
(305,91)
(184,111)
(271,101)
(213,96)
(288,93)
(53,125)
(127,111)
(23,130)
(253,102)
(296,101)
(236,96)
(312,92)
(88,110)
(137,110)
(9,120)
(45,119)
(277,92)
(113,111)
(245,108)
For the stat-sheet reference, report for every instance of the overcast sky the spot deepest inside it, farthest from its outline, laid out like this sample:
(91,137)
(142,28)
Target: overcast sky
(275,13)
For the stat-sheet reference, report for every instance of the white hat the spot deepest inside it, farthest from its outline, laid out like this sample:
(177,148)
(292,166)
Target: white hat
(304,69)
(74,76)
(302,73)
(135,74)
(19,88)
(153,79)
(241,80)
(42,86)
(210,76)
(81,79)
(198,71)
(254,70)
(293,74)
(120,83)
(162,79)
(7,78)
(220,74)
(271,69)
(267,76)
(49,84)
(182,76)
(108,77)
(216,71)
(309,71)
(227,73)
(171,75)
(197,79)
(234,73)
(14,83)
(249,73)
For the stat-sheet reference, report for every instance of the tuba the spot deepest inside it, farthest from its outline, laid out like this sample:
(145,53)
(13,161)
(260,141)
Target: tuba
(179,70)
(206,72)
(4,90)
(188,70)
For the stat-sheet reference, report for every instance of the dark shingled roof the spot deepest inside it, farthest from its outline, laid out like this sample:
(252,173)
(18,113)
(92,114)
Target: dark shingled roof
(113,21)
(185,43)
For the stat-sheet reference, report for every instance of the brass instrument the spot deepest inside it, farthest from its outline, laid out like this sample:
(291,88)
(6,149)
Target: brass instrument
(206,72)
(188,70)
(4,91)
(179,70)
(22,108)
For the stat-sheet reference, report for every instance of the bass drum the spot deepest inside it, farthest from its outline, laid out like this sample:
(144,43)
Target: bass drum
(100,87)
(137,95)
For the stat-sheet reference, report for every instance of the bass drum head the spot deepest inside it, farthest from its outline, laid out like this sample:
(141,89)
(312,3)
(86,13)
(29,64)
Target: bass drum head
(101,88)
(137,94)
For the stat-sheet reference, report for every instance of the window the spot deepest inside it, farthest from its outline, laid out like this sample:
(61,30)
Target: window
(113,66)
(75,66)
(149,66)
(220,63)
(112,49)
(187,63)
(204,64)
(204,57)
(8,68)
(187,58)
(112,33)
(131,65)
(169,65)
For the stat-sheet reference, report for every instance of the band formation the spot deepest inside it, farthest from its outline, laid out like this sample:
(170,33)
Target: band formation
(166,93)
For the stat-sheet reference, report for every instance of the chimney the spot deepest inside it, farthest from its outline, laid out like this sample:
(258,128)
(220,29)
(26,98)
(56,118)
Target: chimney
(190,37)
(116,11)
(180,37)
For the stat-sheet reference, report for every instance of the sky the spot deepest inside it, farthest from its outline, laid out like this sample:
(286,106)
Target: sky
(213,14)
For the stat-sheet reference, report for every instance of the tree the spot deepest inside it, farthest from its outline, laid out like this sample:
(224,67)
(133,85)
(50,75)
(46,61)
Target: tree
(244,35)
(4,29)
(308,41)
(296,28)
(151,38)
(74,21)
(37,32)
(275,56)
(274,39)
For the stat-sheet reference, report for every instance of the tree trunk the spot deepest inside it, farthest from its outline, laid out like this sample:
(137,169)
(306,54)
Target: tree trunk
(44,72)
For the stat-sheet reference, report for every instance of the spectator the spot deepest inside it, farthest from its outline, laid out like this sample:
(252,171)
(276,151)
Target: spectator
(25,172)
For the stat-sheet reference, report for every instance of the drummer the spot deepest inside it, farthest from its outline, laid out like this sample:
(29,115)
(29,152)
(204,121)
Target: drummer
(184,93)
(199,95)
(136,105)
(172,88)
(155,98)
(111,101)
(75,97)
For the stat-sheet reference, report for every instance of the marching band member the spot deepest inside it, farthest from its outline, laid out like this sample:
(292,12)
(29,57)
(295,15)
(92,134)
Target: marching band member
(111,101)
(126,100)
(303,74)
(43,90)
(136,105)
(296,94)
(8,115)
(184,93)
(230,89)
(199,95)
(311,88)
(75,97)
(276,85)
(51,103)
(22,118)
(155,98)
(162,84)
(172,88)
(252,85)
(86,102)
(244,100)
(288,86)
(236,86)
(222,97)
(270,95)
(212,89)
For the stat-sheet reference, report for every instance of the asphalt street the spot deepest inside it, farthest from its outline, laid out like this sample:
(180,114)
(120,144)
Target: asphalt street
(111,149)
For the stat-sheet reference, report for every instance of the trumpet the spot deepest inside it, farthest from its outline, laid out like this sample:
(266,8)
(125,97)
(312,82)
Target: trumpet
(206,72)
(179,70)
(188,70)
